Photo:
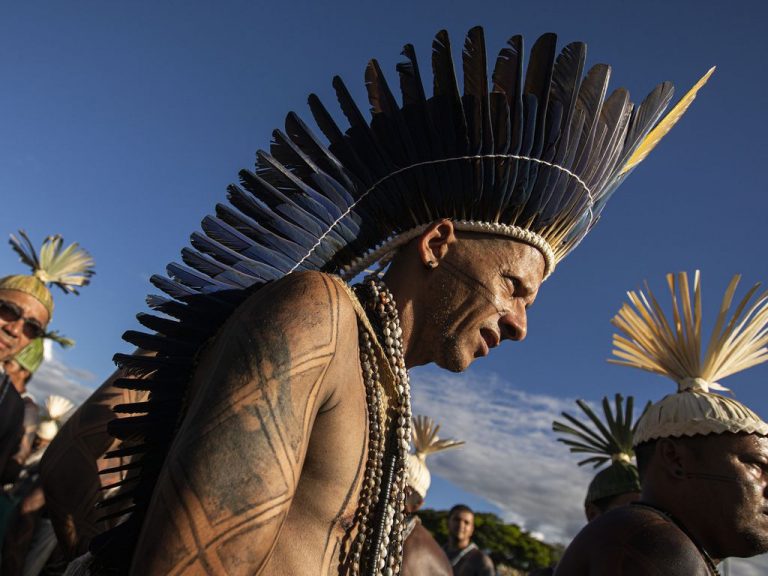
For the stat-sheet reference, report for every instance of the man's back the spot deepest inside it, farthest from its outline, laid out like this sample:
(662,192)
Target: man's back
(632,541)
(265,471)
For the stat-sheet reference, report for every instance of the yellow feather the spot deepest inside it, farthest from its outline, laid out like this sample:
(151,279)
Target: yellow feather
(665,125)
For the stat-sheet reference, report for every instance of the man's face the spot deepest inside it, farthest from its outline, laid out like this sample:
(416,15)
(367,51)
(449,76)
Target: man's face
(461,525)
(731,481)
(477,297)
(15,334)
(18,375)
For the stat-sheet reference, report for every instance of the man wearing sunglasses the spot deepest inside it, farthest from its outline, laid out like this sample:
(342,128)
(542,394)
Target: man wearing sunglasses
(26,308)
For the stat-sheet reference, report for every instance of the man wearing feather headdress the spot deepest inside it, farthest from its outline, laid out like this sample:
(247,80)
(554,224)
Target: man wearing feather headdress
(275,436)
(422,555)
(702,456)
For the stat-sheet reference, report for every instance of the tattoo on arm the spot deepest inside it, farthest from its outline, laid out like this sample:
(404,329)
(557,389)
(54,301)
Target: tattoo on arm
(234,467)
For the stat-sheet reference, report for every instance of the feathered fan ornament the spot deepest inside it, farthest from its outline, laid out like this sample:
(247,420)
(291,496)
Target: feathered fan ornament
(672,347)
(425,442)
(67,268)
(610,441)
(528,152)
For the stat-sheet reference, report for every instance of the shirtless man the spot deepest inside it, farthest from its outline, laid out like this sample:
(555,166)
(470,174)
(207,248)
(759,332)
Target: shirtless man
(277,429)
(703,500)
(702,456)
(465,557)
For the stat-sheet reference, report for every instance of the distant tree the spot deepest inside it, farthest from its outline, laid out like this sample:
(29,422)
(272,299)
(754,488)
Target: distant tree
(507,544)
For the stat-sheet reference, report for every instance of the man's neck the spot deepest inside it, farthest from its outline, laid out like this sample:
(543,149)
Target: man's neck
(408,320)
(458,545)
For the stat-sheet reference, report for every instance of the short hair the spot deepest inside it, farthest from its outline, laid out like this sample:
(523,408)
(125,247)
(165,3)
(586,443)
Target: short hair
(460,508)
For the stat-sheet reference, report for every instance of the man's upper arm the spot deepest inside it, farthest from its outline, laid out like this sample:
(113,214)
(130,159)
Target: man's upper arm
(233,469)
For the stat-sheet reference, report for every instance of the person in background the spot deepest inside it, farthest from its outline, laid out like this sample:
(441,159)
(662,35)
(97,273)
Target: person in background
(609,441)
(702,456)
(465,557)
(26,309)
(422,556)
(30,539)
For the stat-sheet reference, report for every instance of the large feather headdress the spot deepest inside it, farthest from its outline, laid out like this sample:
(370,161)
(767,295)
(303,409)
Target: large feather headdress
(608,441)
(530,152)
(68,268)
(672,347)
(425,442)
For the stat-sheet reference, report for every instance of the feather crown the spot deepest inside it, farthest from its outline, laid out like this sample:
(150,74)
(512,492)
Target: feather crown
(425,442)
(68,268)
(672,347)
(57,407)
(609,440)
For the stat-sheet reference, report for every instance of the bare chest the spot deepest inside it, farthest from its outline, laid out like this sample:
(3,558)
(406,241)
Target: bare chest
(320,523)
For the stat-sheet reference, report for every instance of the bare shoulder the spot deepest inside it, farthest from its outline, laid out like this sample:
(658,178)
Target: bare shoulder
(631,541)
(310,302)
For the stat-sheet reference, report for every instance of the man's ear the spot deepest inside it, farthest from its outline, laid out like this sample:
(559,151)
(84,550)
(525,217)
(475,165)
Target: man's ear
(673,457)
(434,242)
(591,511)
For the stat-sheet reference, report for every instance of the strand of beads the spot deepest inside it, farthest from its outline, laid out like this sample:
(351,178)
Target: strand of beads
(369,493)
(386,558)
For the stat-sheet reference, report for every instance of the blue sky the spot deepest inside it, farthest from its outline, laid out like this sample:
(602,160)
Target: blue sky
(121,123)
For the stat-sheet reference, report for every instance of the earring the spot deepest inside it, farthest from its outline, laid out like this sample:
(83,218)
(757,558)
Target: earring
(431,264)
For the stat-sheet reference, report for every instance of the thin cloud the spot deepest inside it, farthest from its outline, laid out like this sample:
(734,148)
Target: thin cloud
(512,458)
(57,377)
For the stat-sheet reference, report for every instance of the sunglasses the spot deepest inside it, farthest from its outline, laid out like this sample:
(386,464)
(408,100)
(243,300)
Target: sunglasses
(10,312)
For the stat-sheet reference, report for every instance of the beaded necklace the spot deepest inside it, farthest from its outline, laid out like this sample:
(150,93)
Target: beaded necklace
(380,518)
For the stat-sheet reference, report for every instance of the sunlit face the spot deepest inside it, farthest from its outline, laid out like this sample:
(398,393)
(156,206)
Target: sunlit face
(461,525)
(15,334)
(731,480)
(478,297)
(19,376)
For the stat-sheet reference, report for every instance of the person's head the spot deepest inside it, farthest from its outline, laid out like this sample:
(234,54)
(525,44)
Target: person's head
(464,293)
(461,525)
(716,484)
(613,487)
(26,302)
(23,317)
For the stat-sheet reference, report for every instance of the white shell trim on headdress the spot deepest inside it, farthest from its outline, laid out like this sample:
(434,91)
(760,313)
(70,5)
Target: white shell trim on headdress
(388,248)
(692,413)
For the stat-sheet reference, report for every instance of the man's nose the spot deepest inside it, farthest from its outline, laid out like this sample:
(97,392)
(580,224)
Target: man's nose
(514,323)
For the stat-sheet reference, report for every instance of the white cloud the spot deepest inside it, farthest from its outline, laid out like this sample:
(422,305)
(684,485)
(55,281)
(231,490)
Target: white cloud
(56,377)
(511,458)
